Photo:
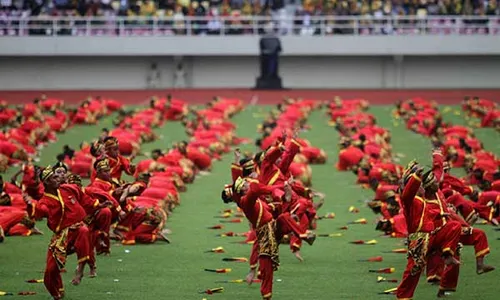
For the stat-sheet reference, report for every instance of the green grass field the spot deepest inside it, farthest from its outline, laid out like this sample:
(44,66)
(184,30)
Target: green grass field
(175,271)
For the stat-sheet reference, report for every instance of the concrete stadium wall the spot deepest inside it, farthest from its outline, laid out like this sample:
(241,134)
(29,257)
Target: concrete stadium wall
(247,45)
(309,72)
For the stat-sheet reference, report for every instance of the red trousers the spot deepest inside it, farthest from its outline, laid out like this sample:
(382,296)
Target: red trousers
(445,240)
(132,221)
(139,231)
(437,269)
(296,241)
(9,219)
(100,231)
(266,275)
(284,225)
(79,242)
(146,233)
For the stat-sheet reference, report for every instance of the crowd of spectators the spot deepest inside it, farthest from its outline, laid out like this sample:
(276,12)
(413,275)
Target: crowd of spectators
(248,7)
(173,12)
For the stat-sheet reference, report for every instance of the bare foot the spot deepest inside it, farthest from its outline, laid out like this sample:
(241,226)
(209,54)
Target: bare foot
(433,280)
(35,230)
(298,256)
(163,237)
(93,272)
(494,222)
(78,276)
(311,237)
(318,205)
(450,260)
(250,277)
(441,294)
(484,269)
(115,235)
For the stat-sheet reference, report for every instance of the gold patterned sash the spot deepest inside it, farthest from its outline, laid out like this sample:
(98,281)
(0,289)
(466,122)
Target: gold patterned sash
(58,245)
(268,245)
(418,245)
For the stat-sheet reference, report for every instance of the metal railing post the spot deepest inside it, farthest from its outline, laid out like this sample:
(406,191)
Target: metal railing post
(346,25)
(87,26)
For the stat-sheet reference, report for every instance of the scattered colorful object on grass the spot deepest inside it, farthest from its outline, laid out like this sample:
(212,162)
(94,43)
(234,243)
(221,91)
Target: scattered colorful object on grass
(238,281)
(372,259)
(225,216)
(399,250)
(236,220)
(218,270)
(361,242)
(244,242)
(235,259)
(329,235)
(230,233)
(28,293)
(219,226)
(384,271)
(327,216)
(389,292)
(229,210)
(353,210)
(383,279)
(2,293)
(216,250)
(344,228)
(34,281)
(358,221)
(212,291)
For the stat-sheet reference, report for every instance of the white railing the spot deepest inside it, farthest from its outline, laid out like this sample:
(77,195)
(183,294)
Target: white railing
(252,25)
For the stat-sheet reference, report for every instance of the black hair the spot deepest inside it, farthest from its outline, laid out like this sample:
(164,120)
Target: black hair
(245,172)
(93,149)
(105,130)
(60,157)
(108,138)
(258,142)
(384,225)
(157,151)
(374,183)
(478,174)
(258,157)
(225,198)
(392,201)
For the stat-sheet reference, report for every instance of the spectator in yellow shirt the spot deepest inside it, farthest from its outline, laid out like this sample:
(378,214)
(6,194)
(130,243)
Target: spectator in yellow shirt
(148,8)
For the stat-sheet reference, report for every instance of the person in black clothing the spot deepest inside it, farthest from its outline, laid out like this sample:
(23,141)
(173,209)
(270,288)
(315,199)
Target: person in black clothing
(270,48)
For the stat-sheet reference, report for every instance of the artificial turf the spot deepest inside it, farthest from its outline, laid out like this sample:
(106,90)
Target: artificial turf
(330,271)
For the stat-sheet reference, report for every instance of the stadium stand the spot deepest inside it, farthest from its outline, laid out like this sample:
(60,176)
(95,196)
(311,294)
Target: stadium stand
(236,17)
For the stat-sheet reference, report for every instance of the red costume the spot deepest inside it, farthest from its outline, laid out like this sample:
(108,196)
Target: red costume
(64,215)
(424,237)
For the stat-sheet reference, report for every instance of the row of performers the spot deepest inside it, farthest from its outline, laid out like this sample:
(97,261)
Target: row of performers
(278,207)
(28,128)
(411,209)
(85,219)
